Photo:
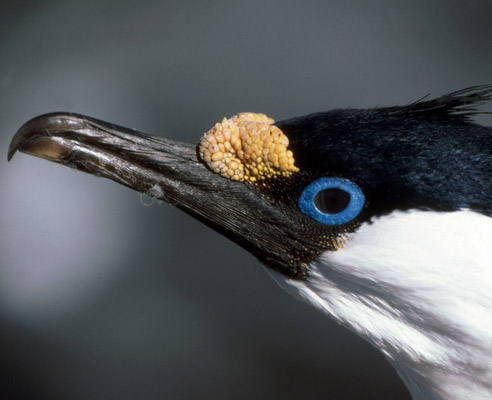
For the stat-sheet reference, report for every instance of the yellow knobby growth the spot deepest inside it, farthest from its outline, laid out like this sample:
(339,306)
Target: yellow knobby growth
(247,147)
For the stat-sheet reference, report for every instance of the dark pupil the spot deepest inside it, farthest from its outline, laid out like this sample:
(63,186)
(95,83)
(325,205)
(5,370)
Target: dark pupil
(331,201)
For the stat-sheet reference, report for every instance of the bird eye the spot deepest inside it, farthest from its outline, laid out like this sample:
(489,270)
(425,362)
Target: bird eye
(331,201)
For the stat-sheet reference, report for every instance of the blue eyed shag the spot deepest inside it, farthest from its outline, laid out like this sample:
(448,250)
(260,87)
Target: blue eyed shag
(381,218)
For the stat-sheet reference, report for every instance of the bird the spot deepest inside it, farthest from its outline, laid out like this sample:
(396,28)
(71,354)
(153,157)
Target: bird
(381,218)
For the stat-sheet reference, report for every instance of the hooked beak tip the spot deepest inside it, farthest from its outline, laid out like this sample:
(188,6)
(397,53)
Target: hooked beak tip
(34,137)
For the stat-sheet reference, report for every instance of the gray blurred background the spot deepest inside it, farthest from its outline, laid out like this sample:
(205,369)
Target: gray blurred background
(106,294)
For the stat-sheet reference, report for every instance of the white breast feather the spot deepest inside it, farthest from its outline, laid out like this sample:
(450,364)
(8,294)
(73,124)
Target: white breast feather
(418,286)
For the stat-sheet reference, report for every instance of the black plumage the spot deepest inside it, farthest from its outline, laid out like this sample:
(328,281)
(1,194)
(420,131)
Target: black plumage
(428,154)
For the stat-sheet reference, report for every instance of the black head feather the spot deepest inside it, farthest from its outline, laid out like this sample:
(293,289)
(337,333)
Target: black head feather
(426,155)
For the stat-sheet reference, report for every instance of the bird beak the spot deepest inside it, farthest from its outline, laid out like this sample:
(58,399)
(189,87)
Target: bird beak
(164,169)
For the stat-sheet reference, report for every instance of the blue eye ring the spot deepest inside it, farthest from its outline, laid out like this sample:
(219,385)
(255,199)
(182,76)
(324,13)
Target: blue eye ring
(354,207)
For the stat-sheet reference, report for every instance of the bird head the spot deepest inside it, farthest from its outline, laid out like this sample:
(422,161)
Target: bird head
(379,217)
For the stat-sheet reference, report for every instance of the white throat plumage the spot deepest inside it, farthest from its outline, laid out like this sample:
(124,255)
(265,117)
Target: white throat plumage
(418,286)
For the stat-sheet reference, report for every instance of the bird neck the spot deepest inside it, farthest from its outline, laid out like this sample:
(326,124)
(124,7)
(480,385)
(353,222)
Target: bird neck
(418,286)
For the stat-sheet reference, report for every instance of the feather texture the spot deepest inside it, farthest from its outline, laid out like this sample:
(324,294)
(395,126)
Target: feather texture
(418,286)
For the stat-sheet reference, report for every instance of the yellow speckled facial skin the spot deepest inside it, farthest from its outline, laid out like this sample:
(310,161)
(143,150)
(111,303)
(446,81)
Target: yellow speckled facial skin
(247,147)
